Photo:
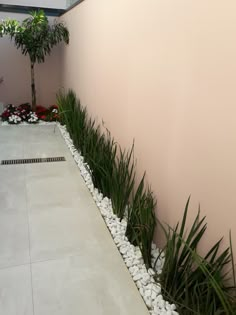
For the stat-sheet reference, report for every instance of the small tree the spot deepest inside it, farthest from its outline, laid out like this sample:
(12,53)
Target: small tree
(36,38)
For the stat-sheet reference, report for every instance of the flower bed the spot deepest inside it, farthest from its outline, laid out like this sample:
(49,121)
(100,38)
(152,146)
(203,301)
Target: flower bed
(149,289)
(16,115)
(23,113)
(47,114)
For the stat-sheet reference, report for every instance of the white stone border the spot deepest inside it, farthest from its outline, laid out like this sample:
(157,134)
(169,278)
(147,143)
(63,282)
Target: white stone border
(143,278)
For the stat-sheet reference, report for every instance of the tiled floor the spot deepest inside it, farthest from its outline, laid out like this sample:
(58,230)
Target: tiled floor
(56,254)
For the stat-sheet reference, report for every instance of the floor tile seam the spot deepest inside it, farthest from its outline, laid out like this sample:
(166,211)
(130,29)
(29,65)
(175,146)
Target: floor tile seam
(63,257)
(77,199)
(61,184)
(78,203)
(14,266)
(70,166)
(56,209)
(28,224)
(67,256)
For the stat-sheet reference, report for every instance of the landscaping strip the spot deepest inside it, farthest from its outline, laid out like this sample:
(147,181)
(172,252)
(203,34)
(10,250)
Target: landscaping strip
(194,284)
(149,289)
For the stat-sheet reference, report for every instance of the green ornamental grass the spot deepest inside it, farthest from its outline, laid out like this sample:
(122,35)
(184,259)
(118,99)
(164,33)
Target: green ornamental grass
(197,285)
(141,221)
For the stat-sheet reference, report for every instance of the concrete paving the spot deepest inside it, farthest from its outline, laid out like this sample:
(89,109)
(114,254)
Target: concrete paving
(56,255)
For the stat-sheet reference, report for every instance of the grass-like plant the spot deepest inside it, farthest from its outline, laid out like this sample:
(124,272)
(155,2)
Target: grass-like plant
(142,221)
(197,285)
(98,149)
(122,181)
(66,103)
(103,163)
(113,170)
(73,115)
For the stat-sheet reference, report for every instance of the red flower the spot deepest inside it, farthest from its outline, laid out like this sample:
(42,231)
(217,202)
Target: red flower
(6,114)
(41,109)
(25,107)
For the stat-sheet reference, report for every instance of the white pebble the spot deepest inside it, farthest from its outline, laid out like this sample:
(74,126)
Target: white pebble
(148,293)
(154,295)
(161,304)
(173,307)
(137,277)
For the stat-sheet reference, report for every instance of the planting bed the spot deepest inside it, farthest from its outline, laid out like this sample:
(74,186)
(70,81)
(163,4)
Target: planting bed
(149,289)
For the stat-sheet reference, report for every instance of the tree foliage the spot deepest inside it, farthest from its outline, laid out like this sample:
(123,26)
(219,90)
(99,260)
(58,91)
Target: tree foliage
(35,37)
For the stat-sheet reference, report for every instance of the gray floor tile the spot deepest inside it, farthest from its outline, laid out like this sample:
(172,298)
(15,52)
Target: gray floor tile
(77,285)
(14,236)
(12,188)
(12,134)
(60,186)
(16,291)
(60,232)
(11,151)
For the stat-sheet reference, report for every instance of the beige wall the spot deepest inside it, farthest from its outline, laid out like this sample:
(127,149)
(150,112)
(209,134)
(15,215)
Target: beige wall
(164,73)
(15,68)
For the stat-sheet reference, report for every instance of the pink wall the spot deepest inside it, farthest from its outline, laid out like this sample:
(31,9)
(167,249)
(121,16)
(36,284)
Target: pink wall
(15,68)
(164,73)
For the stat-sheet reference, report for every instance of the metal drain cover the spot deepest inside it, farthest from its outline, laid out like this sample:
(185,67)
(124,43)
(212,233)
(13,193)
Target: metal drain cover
(31,161)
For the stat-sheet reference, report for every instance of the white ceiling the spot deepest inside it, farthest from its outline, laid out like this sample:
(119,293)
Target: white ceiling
(57,4)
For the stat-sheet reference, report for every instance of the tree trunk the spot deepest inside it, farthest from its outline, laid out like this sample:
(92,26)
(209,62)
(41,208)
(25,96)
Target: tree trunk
(33,90)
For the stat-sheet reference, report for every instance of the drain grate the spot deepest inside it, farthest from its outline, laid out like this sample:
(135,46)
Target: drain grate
(31,161)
